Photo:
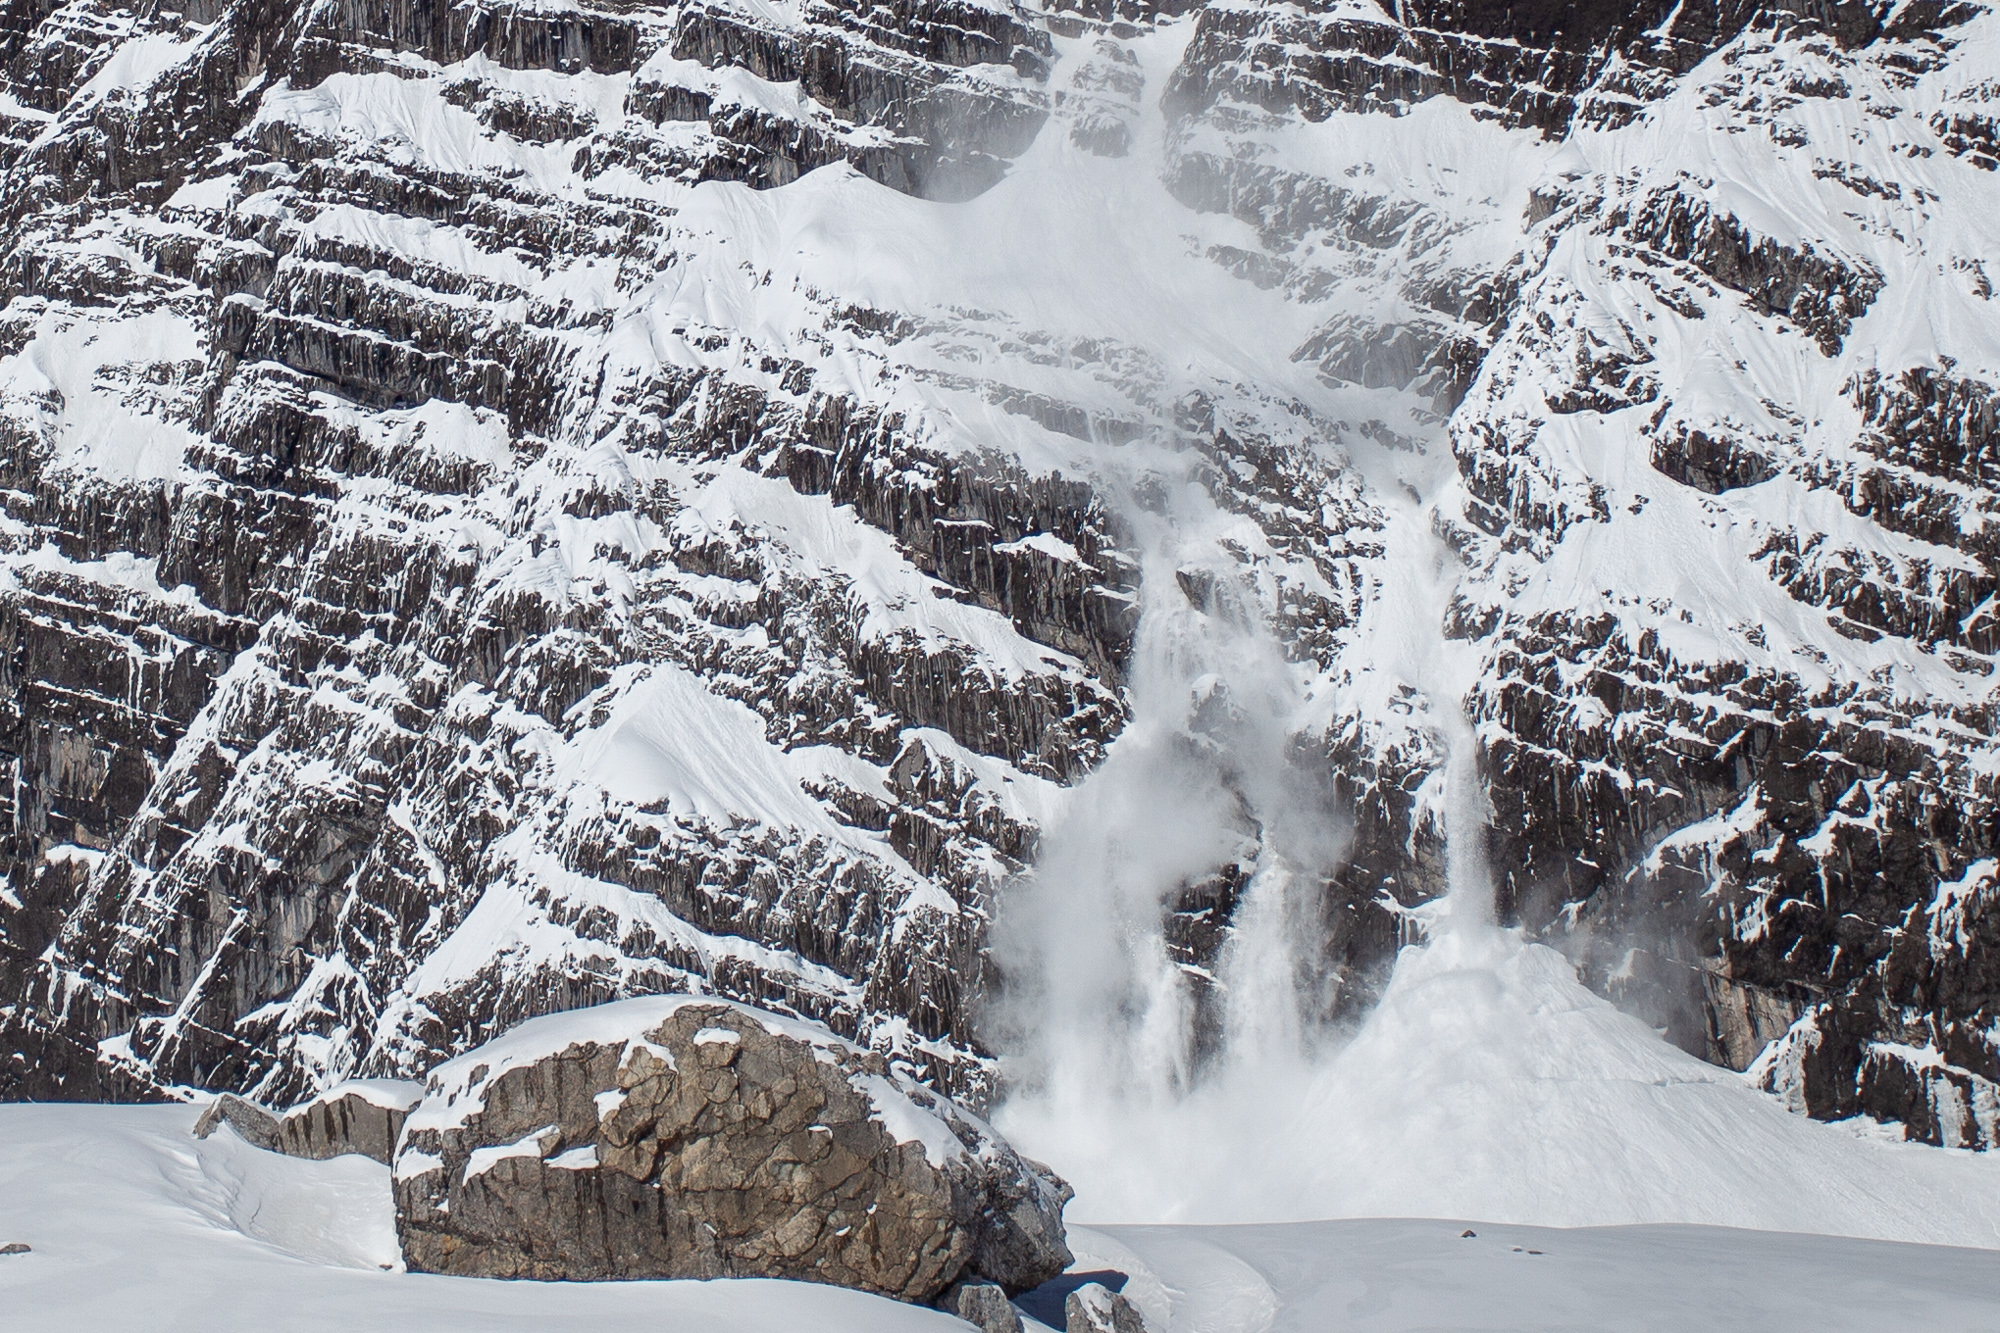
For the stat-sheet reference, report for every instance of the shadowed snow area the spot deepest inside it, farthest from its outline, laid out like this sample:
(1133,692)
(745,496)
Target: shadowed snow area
(136,1225)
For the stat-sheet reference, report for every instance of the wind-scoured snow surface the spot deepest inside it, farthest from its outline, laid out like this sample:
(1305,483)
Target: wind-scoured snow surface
(135,1224)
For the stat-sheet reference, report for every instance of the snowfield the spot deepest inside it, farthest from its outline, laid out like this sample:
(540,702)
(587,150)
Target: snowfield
(138,1226)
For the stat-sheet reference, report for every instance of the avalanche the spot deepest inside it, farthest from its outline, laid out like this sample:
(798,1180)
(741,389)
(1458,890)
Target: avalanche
(473,550)
(1488,1083)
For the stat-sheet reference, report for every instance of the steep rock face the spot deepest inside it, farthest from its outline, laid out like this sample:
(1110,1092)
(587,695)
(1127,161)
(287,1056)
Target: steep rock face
(1772,759)
(471,551)
(687,1138)
(308,386)
(1720,503)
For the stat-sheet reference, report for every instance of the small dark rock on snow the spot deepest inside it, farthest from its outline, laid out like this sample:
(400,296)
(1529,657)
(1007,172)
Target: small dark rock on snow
(1095,1308)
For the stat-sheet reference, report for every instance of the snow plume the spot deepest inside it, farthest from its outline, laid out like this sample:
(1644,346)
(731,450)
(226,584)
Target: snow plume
(1123,1052)
(1468,875)
(1487,1083)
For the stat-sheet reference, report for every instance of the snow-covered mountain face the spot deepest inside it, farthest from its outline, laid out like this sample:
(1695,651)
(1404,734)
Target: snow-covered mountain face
(510,505)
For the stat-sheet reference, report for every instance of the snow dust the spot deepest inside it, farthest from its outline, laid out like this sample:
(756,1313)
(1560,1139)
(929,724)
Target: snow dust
(1487,1083)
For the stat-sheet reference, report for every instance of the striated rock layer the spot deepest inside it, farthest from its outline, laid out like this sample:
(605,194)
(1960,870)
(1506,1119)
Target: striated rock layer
(363,1116)
(470,549)
(686,1138)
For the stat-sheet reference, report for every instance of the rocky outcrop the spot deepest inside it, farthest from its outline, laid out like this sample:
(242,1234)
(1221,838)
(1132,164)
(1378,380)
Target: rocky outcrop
(1781,847)
(345,349)
(364,1116)
(1534,65)
(692,1138)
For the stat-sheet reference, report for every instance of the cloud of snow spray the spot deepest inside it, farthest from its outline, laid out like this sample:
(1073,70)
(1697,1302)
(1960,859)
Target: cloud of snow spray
(1167,1093)
(1486,1084)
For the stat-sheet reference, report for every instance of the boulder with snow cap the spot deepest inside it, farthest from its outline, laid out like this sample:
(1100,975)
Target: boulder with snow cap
(689,1137)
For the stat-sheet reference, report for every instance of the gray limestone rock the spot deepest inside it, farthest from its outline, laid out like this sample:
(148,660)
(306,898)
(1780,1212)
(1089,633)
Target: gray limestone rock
(1095,1308)
(364,1116)
(983,1305)
(683,1137)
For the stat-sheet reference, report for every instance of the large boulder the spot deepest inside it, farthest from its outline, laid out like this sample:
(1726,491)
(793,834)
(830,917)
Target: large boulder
(686,1137)
(362,1116)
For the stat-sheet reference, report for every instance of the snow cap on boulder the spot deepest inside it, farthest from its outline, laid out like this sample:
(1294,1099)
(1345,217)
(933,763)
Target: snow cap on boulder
(677,1136)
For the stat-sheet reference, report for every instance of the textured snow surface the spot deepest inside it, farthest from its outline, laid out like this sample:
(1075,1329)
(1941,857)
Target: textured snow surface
(137,1225)
(1377,1276)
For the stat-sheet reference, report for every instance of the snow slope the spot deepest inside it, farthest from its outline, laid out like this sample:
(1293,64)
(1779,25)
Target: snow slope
(1489,1083)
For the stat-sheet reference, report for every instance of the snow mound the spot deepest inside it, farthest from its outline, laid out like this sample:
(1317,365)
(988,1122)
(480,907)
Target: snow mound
(335,1212)
(1489,1084)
